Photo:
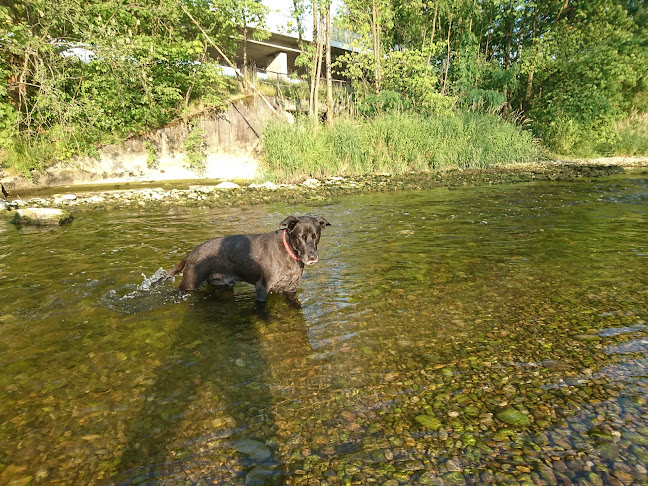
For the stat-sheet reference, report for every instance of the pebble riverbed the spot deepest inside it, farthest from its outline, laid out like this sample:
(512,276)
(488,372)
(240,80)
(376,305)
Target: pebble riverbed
(483,335)
(232,194)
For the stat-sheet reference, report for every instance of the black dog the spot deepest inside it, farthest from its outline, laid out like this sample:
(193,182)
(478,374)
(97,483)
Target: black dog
(273,262)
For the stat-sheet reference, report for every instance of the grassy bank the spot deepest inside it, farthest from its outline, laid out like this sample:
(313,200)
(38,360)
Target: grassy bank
(394,143)
(632,136)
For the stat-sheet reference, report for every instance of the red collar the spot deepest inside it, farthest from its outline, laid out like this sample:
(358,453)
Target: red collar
(288,249)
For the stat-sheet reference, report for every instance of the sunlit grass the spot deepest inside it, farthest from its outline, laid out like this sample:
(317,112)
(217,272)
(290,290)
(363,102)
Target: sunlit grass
(394,143)
(632,136)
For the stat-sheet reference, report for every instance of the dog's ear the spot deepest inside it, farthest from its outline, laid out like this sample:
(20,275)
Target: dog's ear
(322,222)
(289,223)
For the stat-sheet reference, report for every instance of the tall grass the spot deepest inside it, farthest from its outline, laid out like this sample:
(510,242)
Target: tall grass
(632,136)
(393,143)
(626,137)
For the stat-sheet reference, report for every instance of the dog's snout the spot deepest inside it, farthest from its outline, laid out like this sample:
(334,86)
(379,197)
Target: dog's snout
(310,258)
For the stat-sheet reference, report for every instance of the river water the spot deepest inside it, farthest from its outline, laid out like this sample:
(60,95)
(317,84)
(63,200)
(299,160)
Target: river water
(481,335)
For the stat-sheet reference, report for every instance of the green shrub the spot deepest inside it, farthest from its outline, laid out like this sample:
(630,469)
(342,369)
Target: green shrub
(26,155)
(194,145)
(628,137)
(384,102)
(631,136)
(152,159)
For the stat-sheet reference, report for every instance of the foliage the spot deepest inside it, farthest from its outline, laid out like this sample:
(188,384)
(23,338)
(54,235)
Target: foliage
(7,113)
(587,70)
(27,155)
(152,159)
(383,102)
(572,69)
(194,146)
(94,72)
(395,143)
(630,138)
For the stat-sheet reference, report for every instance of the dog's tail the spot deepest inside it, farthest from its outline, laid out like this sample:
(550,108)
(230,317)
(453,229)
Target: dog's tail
(174,271)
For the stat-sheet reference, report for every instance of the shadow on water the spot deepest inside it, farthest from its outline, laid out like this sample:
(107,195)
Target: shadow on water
(207,412)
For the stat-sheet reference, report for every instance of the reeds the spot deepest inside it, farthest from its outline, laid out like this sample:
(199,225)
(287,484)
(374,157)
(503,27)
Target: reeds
(393,143)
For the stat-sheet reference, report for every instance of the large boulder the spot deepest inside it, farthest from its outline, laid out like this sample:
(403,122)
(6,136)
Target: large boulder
(41,216)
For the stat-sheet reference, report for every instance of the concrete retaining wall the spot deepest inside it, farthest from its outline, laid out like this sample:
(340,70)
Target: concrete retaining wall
(229,137)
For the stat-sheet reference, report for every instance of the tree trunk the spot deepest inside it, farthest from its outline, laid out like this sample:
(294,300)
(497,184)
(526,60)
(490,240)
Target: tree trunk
(318,74)
(490,23)
(472,14)
(434,20)
(507,52)
(312,111)
(562,9)
(529,86)
(300,28)
(329,79)
(298,21)
(245,39)
(447,66)
(375,31)
(425,27)
(315,21)
(507,61)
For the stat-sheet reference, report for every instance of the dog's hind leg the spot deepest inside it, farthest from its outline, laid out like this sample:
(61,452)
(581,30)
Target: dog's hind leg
(191,279)
(261,290)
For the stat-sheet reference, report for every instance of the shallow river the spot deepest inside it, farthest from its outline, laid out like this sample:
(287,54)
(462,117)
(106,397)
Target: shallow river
(489,335)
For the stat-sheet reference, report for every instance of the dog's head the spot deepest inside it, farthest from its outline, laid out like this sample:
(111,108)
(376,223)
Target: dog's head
(303,234)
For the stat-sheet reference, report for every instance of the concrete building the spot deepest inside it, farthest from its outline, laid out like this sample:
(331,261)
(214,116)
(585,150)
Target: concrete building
(274,57)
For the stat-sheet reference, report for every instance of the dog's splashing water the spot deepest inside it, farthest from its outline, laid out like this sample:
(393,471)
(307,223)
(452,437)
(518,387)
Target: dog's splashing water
(148,282)
(146,296)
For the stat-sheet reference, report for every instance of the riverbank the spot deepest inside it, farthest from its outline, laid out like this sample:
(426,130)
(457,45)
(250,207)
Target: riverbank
(210,193)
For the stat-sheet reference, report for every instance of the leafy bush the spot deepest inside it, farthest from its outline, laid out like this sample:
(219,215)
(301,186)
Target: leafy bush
(631,137)
(24,156)
(486,100)
(88,76)
(383,102)
(194,145)
(152,158)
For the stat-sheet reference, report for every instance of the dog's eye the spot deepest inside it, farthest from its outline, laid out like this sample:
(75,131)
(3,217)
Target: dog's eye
(305,237)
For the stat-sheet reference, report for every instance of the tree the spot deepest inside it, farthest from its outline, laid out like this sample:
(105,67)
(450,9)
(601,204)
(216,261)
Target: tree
(584,72)
(316,70)
(329,78)
(251,13)
(91,71)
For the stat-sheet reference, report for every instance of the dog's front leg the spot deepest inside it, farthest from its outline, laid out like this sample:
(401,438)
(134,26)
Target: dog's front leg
(293,301)
(261,290)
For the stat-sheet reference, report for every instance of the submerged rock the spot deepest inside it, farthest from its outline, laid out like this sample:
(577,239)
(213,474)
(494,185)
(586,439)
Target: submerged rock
(513,417)
(429,421)
(41,216)
(255,450)
(260,476)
